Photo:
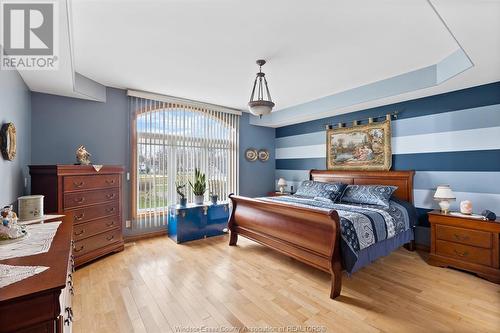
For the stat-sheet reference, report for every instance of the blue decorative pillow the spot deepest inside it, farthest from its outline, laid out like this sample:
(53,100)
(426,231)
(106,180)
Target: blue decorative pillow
(313,189)
(368,194)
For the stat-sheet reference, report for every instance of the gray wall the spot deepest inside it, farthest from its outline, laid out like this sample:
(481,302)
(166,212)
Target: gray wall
(60,124)
(256,178)
(15,106)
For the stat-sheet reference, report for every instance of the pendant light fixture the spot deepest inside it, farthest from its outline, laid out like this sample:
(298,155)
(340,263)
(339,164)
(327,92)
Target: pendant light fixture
(258,105)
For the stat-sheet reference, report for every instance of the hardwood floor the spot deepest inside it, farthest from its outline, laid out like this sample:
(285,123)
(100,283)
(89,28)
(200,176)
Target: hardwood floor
(156,285)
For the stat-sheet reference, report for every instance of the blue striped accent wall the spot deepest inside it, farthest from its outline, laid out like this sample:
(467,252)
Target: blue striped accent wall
(452,138)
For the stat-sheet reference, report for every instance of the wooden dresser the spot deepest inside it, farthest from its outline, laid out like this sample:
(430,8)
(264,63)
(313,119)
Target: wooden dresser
(465,243)
(91,199)
(42,302)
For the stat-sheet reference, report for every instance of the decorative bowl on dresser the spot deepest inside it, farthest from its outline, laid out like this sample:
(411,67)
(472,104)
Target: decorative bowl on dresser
(91,199)
(465,243)
(42,302)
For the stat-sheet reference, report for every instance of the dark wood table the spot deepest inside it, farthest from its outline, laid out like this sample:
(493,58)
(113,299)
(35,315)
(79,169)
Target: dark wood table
(41,303)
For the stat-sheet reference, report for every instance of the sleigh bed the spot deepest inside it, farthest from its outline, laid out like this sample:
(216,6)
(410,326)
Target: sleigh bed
(313,234)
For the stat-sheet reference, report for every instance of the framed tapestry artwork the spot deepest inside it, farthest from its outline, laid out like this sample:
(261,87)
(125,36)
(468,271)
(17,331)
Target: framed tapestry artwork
(363,147)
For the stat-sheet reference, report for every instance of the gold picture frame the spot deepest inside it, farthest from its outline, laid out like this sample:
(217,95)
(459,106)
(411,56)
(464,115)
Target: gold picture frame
(363,147)
(8,144)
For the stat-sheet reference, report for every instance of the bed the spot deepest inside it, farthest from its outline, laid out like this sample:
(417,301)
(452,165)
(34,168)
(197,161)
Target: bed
(312,233)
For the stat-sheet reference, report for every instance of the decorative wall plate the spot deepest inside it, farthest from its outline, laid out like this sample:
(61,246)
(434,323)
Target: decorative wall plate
(251,154)
(8,141)
(263,155)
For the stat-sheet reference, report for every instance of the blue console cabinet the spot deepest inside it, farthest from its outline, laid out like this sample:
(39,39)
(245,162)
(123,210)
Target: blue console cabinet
(197,221)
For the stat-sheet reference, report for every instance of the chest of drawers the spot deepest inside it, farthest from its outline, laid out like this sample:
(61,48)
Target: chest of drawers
(465,243)
(92,201)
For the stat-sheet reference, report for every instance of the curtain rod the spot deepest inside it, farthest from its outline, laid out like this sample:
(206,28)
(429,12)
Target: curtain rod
(178,100)
(387,116)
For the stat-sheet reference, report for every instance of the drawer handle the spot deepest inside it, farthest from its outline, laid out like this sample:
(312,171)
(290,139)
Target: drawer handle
(110,224)
(110,196)
(110,181)
(79,217)
(79,249)
(110,210)
(460,237)
(461,254)
(110,237)
(69,311)
(79,233)
(67,321)
(79,200)
(78,185)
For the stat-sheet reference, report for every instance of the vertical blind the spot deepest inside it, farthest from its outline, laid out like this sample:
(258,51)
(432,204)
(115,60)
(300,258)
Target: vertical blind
(169,141)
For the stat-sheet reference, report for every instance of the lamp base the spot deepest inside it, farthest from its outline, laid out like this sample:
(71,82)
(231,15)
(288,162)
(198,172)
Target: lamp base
(282,189)
(445,206)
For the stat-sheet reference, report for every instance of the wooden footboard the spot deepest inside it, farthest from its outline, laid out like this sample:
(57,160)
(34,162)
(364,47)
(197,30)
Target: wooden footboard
(308,235)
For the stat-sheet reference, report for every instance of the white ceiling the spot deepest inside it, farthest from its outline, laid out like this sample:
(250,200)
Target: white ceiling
(206,49)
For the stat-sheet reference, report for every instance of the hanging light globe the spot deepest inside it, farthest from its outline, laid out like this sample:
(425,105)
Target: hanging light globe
(259,105)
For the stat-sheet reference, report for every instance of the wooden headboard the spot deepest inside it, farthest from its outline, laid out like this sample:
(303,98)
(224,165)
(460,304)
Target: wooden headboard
(402,179)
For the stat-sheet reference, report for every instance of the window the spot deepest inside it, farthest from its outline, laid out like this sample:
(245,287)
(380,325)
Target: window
(170,140)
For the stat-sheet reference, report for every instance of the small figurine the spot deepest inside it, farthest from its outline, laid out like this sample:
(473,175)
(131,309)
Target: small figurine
(9,229)
(82,156)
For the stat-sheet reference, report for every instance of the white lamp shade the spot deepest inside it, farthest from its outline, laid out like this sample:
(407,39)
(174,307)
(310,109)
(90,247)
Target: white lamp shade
(282,182)
(444,192)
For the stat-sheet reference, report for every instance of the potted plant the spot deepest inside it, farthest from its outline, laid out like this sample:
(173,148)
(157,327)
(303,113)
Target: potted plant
(213,192)
(199,187)
(180,191)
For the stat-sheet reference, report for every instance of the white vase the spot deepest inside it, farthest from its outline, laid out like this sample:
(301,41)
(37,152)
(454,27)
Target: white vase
(198,199)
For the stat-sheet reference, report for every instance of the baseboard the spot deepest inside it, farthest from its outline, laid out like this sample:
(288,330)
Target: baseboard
(133,238)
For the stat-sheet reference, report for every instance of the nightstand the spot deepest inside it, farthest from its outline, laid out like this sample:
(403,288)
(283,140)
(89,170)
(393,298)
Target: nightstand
(465,243)
(277,194)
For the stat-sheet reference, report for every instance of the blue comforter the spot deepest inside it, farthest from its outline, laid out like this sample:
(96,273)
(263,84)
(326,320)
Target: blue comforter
(361,225)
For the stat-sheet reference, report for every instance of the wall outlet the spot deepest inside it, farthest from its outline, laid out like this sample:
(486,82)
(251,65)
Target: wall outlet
(25,182)
(128,175)
(128,224)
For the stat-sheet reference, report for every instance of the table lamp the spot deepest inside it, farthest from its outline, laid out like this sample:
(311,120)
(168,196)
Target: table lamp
(282,185)
(444,195)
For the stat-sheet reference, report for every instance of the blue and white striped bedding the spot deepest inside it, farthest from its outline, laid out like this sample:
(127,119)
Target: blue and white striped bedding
(361,225)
